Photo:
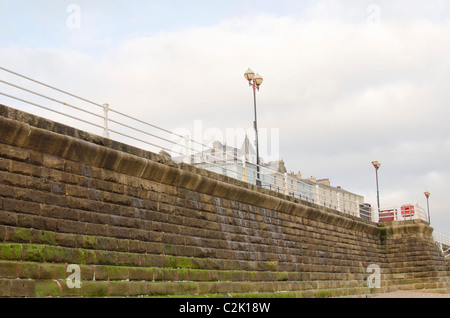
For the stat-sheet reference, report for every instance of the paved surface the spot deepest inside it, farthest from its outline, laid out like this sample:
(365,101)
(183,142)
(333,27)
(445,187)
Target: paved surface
(411,294)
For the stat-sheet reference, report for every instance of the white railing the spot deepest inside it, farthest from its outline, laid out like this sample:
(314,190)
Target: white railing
(443,241)
(402,213)
(101,119)
(411,212)
(288,184)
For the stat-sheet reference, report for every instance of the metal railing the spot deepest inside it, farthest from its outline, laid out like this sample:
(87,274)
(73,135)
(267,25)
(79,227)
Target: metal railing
(402,213)
(101,119)
(411,212)
(443,242)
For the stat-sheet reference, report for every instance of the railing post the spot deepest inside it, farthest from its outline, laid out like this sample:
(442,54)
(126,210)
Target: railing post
(317,194)
(338,196)
(105,118)
(186,150)
(286,184)
(244,178)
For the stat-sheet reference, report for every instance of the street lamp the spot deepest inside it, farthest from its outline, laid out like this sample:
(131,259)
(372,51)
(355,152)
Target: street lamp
(427,194)
(255,81)
(377,165)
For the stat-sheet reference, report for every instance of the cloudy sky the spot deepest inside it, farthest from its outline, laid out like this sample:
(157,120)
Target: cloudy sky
(345,82)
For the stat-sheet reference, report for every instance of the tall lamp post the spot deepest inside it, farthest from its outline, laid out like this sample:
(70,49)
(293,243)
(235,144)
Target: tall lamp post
(427,194)
(377,165)
(255,81)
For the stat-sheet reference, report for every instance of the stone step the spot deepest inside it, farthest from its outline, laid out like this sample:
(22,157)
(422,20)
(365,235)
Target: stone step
(48,271)
(312,257)
(61,288)
(58,254)
(39,271)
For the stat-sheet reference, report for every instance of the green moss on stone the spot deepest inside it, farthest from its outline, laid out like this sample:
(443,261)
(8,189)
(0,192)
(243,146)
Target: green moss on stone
(170,261)
(50,253)
(10,251)
(324,293)
(184,262)
(29,270)
(283,276)
(20,235)
(79,256)
(118,288)
(209,263)
(117,272)
(183,273)
(200,275)
(88,241)
(105,257)
(383,234)
(52,271)
(48,288)
(90,257)
(34,253)
(225,276)
(271,266)
(252,276)
(95,289)
(44,237)
(168,249)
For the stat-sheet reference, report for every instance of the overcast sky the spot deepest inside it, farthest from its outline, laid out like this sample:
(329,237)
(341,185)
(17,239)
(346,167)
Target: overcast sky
(345,82)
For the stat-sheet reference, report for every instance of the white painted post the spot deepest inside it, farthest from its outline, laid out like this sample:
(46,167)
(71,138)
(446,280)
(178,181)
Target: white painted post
(286,191)
(338,195)
(318,195)
(105,118)
(244,178)
(186,150)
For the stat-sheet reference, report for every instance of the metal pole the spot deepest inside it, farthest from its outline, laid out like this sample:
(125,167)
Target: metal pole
(286,191)
(105,112)
(187,158)
(378,192)
(243,169)
(258,180)
(427,195)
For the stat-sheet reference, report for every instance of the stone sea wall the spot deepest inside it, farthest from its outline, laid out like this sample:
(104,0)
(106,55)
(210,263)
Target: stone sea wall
(134,223)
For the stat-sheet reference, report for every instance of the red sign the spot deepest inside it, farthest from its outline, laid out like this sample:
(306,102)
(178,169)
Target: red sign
(387,215)
(407,210)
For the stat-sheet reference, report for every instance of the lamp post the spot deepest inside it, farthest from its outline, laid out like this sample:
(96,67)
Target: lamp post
(377,165)
(427,194)
(255,81)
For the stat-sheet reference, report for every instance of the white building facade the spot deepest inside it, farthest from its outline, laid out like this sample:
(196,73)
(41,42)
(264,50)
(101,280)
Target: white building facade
(240,164)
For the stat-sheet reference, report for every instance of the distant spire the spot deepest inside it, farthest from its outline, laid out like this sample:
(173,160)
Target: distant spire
(217,144)
(246,148)
(245,145)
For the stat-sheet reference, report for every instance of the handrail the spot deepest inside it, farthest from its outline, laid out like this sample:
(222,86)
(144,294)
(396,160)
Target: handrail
(269,178)
(49,109)
(443,242)
(402,213)
(442,238)
(51,87)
